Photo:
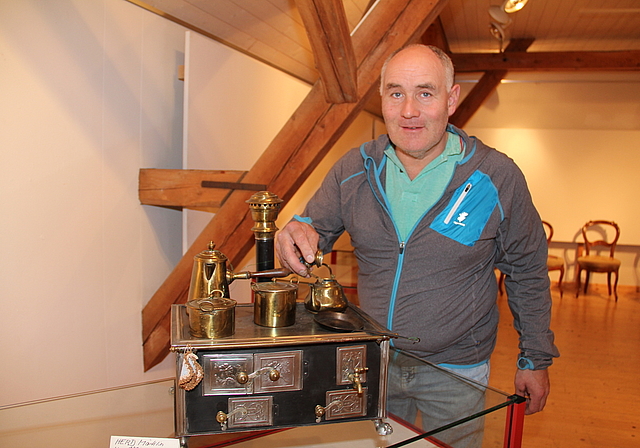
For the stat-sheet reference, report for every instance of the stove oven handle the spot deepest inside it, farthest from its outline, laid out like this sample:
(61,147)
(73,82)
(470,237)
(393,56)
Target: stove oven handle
(223,418)
(321,410)
(244,378)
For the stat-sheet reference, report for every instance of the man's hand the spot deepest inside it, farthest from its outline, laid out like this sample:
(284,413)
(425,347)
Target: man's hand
(534,386)
(297,239)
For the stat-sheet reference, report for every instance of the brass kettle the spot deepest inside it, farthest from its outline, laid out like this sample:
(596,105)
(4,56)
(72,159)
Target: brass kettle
(326,294)
(213,272)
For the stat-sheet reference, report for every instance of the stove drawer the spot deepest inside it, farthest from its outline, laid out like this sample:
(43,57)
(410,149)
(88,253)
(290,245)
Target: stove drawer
(251,373)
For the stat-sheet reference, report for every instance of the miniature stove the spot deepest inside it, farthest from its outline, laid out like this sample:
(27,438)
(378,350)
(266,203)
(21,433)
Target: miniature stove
(262,377)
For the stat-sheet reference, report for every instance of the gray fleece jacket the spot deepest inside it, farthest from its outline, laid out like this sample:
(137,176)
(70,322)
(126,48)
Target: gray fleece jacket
(439,284)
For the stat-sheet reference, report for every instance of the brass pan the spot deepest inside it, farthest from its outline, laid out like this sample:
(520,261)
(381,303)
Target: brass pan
(346,322)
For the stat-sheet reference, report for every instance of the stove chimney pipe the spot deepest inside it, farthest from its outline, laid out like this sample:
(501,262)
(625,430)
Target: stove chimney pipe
(265,207)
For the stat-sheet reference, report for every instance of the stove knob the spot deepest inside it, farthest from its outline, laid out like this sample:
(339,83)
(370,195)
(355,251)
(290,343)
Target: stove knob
(242,377)
(274,375)
(319,412)
(221,417)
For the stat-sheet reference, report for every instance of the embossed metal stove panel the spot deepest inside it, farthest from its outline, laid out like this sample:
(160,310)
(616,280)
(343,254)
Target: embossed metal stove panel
(345,403)
(263,378)
(255,411)
(221,372)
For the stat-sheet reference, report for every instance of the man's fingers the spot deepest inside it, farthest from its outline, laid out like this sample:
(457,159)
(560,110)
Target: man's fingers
(293,241)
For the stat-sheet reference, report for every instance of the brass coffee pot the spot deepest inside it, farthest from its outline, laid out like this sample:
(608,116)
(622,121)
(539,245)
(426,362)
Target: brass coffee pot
(213,272)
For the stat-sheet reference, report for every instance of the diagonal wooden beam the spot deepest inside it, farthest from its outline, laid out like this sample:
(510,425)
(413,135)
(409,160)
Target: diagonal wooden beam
(328,31)
(487,84)
(567,61)
(304,140)
(435,35)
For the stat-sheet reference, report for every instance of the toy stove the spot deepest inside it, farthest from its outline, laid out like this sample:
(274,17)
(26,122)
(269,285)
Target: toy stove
(262,378)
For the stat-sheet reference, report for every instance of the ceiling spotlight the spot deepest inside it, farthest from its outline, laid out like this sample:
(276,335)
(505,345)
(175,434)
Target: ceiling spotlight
(499,15)
(513,5)
(500,18)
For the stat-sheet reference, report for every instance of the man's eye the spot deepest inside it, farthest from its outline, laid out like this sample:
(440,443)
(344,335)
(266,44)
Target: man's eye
(396,95)
(425,94)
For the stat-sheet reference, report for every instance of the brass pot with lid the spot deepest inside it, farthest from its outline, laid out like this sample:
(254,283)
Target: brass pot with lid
(211,317)
(274,303)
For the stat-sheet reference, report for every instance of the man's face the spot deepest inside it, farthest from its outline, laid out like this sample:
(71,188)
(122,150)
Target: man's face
(416,104)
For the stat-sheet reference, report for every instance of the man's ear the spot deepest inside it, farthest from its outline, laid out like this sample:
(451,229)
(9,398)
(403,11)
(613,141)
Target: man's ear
(454,97)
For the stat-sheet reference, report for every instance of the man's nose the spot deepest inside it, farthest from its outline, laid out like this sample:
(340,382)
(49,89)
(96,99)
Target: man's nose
(409,108)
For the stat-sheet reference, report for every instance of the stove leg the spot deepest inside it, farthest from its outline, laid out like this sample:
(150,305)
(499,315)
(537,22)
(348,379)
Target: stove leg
(382,428)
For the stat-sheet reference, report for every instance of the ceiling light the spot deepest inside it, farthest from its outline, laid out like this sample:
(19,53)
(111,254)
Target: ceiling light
(499,15)
(501,20)
(514,5)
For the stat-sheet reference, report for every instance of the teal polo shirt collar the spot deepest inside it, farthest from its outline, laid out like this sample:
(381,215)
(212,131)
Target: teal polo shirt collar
(410,199)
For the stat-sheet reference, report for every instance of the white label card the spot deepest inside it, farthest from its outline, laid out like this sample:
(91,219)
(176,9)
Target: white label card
(125,441)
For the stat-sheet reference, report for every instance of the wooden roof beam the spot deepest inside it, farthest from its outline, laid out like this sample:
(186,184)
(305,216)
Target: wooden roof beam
(560,61)
(328,31)
(487,84)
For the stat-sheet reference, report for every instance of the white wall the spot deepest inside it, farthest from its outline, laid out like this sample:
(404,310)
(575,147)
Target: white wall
(575,136)
(88,96)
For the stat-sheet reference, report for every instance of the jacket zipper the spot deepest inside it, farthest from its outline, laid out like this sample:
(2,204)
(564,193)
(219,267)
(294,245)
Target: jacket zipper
(457,203)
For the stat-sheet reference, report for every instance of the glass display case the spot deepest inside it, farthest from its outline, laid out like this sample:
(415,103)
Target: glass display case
(147,410)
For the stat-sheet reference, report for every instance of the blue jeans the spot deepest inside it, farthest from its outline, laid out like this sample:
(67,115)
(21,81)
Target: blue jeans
(440,397)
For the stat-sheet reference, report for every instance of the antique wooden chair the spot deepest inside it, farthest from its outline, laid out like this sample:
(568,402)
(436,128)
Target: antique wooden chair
(554,263)
(604,235)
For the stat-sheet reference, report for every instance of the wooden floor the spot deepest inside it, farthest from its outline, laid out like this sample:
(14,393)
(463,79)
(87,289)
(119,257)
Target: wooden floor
(595,384)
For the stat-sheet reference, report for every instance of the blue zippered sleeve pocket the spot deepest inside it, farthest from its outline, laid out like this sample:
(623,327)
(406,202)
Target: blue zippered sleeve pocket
(469,210)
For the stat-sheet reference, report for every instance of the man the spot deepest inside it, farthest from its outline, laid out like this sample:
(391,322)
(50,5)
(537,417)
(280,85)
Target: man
(430,212)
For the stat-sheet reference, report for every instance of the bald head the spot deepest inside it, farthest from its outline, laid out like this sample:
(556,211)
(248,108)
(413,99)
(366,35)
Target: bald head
(424,51)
